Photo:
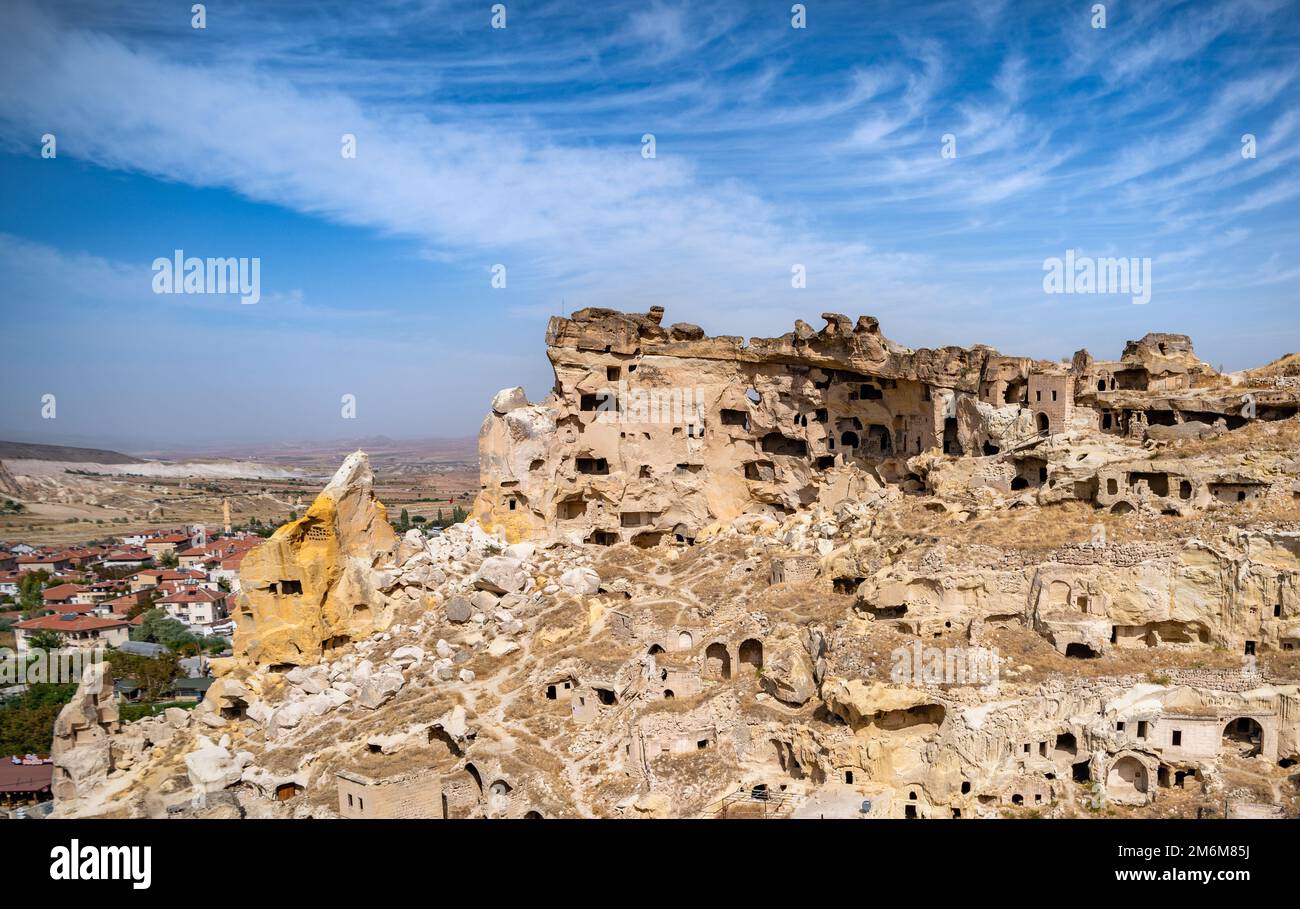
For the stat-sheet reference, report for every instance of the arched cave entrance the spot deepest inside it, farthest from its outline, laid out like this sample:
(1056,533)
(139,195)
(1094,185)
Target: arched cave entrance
(1244,735)
(717,661)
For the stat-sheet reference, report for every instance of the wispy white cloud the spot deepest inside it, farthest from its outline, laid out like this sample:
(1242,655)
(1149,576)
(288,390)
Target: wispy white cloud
(776,146)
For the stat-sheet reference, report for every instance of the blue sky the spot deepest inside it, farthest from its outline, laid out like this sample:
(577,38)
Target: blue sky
(522,146)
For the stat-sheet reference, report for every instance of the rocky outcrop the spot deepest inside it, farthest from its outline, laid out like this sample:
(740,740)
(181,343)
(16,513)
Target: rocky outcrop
(313,586)
(935,583)
(791,673)
(8,485)
(83,738)
(653,434)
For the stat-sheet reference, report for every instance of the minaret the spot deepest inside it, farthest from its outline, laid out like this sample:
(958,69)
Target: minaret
(225,514)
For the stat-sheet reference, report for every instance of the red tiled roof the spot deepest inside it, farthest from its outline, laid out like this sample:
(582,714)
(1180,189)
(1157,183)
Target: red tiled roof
(66,608)
(174,574)
(80,623)
(126,599)
(62,592)
(223,546)
(25,777)
(193,596)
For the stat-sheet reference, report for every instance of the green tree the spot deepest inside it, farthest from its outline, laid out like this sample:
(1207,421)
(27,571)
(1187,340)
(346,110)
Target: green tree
(160,628)
(27,721)
(168,559)
(404,521)
(150,599)
(45,639)
(153,674)
(30,597)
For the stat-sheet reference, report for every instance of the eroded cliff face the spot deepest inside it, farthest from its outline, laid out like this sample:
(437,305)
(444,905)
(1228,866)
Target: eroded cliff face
(1238,591)
(312,587)
(970,614)
(654,433)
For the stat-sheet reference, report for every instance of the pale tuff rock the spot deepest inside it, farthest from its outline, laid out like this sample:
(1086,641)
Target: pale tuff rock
(83,736)
(379,689)
(500,575)
(212,767)
(509,399)
(782,620)
(310,588)
(1100,597)
(655,434)
(408,656)
(791,673)
(580,581)
(501,646)
(8,485)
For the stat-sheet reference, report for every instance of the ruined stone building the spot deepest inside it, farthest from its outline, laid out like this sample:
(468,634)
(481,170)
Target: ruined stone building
(654,432)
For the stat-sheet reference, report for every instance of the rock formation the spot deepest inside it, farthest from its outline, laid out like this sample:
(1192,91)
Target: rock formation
(313,586)
(8,485)
(83,736)
(655,433)
(933,584)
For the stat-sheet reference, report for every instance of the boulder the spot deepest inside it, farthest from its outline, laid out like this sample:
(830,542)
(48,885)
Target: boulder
(580,581)
(502,646)
(458,610)
(508,399)
(410,655)
(789,675)
(379,689)
(484,601)
(501,574)
(212,767)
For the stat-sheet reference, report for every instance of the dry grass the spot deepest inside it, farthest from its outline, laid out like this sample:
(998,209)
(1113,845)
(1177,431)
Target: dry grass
(1021,646)
(1281,437)
(1041,530)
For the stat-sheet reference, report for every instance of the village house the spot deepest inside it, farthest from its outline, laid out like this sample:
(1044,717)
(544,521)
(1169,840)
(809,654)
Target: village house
(66,595)
(127,558)
(197,607)
(413,795)
(56,561)
(87,632)
(122,605)
(25,780)
(98,591)
(159,546)
(159,577)
(185,690)
(69,609)
(228,570)
(213,552)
